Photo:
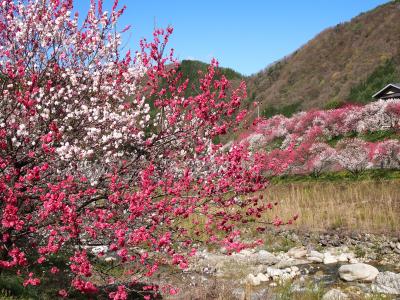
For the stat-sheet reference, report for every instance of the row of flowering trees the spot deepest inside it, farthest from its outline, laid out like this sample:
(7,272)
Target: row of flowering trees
(99,147)
(305,140)
(353,155)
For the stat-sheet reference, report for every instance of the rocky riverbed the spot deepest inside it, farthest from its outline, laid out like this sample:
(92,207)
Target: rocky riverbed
(327,266)
(290,265)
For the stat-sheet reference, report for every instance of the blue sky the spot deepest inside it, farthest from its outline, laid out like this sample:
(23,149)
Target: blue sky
(243,35)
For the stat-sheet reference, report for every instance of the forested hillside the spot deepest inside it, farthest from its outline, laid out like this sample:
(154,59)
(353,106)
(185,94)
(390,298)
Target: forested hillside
(346,63)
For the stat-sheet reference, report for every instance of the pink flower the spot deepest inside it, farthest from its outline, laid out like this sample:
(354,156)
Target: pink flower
(31,280)
(120,294)
(63,293)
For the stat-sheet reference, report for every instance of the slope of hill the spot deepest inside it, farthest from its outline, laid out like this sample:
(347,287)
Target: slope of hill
(190,69)
(345,63)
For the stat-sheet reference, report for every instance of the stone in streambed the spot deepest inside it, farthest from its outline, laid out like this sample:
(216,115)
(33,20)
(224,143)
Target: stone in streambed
(359,272)
(388,283)
(297,252)
(315,256)
(329,259)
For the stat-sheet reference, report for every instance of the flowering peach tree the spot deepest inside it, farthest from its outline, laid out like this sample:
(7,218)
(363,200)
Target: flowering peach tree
(99,149)
(329,140)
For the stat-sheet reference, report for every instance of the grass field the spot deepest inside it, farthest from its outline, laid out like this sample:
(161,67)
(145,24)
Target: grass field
(371,206)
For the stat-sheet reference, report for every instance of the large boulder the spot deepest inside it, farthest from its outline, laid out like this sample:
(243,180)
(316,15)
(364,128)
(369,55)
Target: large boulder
(273,272)
(297,252)
(345,257)
(290,262)
(388,283)
(335,294)
(253,280)
(265,258)
(329,259)
(359,272)
(315,256)
(256,280)
(262,277)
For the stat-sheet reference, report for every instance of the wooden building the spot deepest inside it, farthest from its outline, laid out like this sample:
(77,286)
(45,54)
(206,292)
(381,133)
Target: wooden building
(391,91)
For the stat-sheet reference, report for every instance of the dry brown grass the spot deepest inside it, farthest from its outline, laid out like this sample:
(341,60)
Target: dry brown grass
(367,206)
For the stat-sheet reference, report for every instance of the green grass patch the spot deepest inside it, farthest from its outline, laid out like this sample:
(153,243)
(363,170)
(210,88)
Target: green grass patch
(334,104)
(274,243)
(369,136)
(286,110)
(312,291)
(380,135)
(334,140)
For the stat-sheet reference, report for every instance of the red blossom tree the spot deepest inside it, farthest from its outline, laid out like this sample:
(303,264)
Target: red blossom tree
(100,148)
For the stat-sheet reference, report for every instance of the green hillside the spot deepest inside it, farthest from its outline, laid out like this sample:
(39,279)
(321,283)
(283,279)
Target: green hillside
(192,69)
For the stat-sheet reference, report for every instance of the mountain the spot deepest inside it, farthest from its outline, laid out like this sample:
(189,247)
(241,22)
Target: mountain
(190,69)
(346,63)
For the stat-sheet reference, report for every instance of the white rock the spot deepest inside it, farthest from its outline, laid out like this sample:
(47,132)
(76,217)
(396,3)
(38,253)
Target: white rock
(253,280)
(297,252)
(315,259)
(315,256)
(265,258)
(353,260)
(262,277)
(295,269)
(388,283)
(329,259)
(290,262)
(344,257)
(362,272)
(265,253)
(274,272)
(335,294)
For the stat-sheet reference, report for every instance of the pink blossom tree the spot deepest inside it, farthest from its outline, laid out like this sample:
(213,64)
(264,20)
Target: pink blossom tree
(100,148)
(352,155)
(322,158)
(386,154)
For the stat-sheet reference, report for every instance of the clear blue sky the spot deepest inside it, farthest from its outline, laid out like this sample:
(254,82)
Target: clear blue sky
(243,35)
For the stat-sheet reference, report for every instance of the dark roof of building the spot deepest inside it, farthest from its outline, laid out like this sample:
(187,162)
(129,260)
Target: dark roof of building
(394,95)
(395,85)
